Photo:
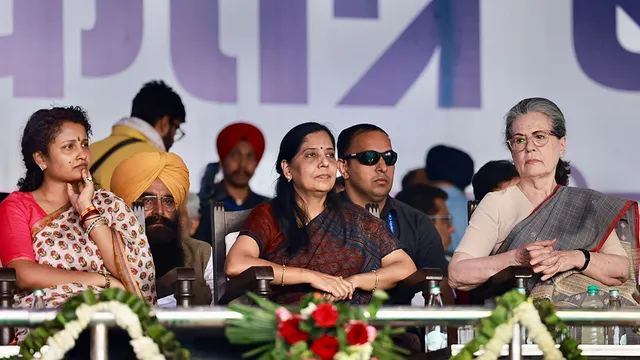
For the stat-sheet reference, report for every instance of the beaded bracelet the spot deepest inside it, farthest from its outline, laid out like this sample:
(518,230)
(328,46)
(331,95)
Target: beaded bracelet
(107,278)
(95,223)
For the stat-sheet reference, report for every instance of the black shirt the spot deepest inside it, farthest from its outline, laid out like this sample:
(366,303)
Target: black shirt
(219,194)
(415,232)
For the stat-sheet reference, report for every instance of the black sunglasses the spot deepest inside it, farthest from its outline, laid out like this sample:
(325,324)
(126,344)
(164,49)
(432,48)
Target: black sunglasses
(370,158)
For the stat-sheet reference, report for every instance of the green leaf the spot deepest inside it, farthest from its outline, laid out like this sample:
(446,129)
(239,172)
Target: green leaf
(89,298)
(263,303)
(257,351)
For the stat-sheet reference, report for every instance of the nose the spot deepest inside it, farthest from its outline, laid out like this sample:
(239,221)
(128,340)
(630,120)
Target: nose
(381,165)
(159,209)
(530,146)
(452,229)
(324,161)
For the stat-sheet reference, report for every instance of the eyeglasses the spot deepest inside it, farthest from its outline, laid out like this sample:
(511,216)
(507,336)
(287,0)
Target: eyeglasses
(179,134)
(150,202)
(370,158)
(448,218)
(540,138)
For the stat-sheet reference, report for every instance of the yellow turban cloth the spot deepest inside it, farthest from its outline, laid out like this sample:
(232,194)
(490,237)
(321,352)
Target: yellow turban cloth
(134,176)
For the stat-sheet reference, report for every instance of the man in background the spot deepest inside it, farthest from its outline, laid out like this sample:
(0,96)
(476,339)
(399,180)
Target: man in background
(240,148)
(494,176)
(431,201)
(451,170)
(157,113)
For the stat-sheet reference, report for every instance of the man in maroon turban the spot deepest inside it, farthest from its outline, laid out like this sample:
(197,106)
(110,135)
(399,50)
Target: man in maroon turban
(240,148)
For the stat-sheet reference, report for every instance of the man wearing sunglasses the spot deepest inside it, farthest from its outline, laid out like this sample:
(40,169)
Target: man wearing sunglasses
(367,163)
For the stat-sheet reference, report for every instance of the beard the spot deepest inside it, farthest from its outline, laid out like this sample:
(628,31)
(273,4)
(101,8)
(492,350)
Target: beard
(165,240)
(168,141)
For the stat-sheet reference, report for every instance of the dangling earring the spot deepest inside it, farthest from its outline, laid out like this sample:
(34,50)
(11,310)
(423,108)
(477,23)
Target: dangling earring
(288,178)
(42,167)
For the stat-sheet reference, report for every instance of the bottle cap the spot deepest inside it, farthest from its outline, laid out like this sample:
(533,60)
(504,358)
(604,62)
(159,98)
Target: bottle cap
(614,292)
(592,289)
(38,292)
(435,289)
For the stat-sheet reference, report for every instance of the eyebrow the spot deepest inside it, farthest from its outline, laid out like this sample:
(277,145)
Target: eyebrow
(315,148)
(146,193)
(74,140)
(533,132)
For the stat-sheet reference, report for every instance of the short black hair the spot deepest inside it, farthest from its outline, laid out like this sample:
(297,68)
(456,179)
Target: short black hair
(422,197)
(445,163)
(407,179)
(346,136)
(156,100)
(340,181)
(491,175)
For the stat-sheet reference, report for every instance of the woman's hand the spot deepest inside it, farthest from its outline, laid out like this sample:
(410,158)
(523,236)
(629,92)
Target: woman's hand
(549,262)
(115,283)
(337,287)
(81,194)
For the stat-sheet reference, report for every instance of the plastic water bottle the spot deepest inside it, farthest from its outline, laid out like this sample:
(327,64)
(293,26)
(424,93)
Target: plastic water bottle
(38,301)
(615,334)
(437,334)
(593,335)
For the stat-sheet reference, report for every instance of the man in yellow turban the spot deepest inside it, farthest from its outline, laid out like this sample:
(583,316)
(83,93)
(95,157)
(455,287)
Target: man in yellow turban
(160,181)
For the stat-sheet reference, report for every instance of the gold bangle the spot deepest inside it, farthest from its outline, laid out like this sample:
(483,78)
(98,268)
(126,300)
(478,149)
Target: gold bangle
(375,286)
(283,270)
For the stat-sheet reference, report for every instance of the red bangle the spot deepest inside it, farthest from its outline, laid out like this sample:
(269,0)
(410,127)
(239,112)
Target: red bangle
(88,213)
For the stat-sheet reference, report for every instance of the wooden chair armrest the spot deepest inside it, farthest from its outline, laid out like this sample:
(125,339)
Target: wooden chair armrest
(179,283)
(256,279)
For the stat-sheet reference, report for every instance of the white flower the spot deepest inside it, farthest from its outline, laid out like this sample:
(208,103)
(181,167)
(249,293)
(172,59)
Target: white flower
(361,352)
(306,312)
(144,347)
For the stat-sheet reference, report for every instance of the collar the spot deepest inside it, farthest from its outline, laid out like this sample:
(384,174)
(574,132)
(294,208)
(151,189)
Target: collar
(145,129)
(389,206)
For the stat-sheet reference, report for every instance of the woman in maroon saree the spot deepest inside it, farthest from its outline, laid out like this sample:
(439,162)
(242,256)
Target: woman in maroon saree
(310,238)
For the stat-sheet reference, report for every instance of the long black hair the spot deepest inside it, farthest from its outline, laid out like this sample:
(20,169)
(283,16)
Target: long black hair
(291,217)
(39,132)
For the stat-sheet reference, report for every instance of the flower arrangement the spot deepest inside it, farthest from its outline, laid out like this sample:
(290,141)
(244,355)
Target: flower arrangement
(316,329)
(537,317)
(149,339)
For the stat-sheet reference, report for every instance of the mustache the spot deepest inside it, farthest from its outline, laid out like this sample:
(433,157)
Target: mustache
(242,171)
(160,220)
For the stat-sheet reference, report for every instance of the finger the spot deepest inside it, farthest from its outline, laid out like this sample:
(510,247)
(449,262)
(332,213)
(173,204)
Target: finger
(535,260)
(69,190)
(552,271)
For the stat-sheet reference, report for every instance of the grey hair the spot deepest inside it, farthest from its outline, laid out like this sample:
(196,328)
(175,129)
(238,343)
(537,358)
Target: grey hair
(551,110)
(193,205)
(541,105)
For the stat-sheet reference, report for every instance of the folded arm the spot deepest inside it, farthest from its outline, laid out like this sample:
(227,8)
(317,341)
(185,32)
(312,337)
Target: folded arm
(467,272)
(245,254)
(31,276)
(396,267)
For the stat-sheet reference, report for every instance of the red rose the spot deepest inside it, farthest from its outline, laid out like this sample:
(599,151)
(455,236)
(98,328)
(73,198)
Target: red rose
(325,315)
(357,334)
(290,331)
(325,347)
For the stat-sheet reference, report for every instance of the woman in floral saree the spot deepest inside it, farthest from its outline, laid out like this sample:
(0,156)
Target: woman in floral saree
(57,232)
(570,237)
